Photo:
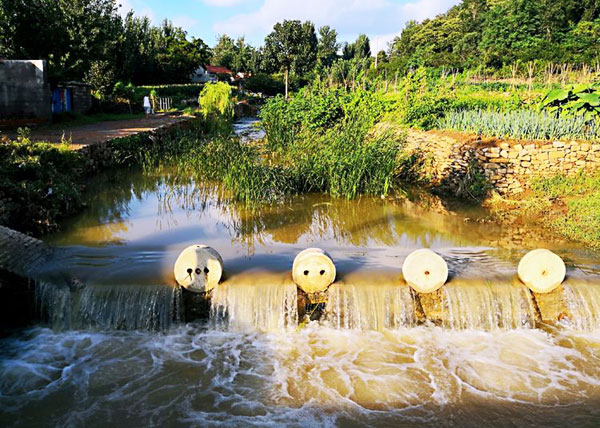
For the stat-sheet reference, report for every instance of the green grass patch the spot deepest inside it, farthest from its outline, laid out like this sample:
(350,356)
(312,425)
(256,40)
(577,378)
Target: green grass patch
(573,206)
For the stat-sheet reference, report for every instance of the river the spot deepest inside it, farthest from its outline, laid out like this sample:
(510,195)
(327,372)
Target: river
(118,353)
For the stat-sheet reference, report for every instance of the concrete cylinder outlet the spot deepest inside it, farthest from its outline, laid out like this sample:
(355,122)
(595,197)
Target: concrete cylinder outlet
(541,270)
(198,268)
(313,270)
(425,271)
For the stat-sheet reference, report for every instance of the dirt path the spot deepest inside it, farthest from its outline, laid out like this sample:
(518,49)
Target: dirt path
(82,135)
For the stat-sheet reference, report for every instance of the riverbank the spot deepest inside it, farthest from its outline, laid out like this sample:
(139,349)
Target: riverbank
(42,183)
(78,135)
(557,183)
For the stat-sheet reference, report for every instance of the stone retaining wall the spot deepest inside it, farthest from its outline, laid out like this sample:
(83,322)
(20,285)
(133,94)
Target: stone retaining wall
(508,165)
(100,155)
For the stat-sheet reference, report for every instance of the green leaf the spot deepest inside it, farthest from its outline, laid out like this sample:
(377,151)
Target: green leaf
(591,99)
(582,87)
(555,95)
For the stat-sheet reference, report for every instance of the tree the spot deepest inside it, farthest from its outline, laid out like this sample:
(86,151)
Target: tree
(224,52)
(291,47)
(242,57)
(381,57)
(360,49)
(327,47)
(69,34)
(88,39)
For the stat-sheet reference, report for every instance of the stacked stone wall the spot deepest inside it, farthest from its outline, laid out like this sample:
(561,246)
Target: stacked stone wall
(508,166)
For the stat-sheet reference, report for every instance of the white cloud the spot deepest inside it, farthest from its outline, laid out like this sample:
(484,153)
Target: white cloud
(381,20)
(139,7)
(185,22)
(223,3)
(125,7)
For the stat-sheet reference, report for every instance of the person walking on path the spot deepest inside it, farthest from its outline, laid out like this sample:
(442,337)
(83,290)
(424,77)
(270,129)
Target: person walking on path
(147,106)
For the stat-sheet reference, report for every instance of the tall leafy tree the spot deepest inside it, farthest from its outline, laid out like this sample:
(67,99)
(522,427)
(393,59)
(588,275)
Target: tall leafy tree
(224,52)
(360,49)
(291,47)
(242,58)
(70,34)
(328,46)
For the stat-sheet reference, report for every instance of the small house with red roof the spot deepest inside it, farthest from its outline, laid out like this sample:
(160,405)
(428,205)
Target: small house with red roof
(210,73)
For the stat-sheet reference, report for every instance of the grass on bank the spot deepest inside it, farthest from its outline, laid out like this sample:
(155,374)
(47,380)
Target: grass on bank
(570,206)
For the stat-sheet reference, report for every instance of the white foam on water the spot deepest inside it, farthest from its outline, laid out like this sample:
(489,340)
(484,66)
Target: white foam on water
(315,376)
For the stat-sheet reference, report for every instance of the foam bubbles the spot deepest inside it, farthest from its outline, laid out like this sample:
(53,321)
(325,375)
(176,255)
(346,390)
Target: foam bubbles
(315,376)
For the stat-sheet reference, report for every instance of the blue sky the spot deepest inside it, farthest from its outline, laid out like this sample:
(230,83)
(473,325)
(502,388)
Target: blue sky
(381,20)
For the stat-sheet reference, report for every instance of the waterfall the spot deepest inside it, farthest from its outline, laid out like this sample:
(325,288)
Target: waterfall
(370,307)
(109,307)
(261,305)
(583,303)
(487,306)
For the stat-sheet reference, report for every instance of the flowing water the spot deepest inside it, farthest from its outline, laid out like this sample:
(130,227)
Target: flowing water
(488,305)
(262,305)
(115,349)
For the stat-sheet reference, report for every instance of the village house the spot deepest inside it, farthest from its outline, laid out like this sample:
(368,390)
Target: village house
(211,73)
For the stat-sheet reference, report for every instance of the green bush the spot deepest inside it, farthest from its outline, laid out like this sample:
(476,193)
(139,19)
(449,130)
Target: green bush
(265,84)
(215,100)
(39,183)
(574,100)
(316,111)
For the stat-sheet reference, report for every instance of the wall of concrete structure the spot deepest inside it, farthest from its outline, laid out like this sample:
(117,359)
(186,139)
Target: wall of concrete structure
(24,90)
(81,96)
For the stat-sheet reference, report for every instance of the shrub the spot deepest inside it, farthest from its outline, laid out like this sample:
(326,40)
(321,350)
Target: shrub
(574,100)
(215,100)
(39,183)
(265,84)
(316,111)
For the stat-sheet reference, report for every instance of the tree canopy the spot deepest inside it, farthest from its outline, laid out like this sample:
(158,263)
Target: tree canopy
(493,33)
(88,39)
(291,47)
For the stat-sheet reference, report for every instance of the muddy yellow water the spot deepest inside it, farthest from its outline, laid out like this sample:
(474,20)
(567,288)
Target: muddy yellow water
(367,362)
